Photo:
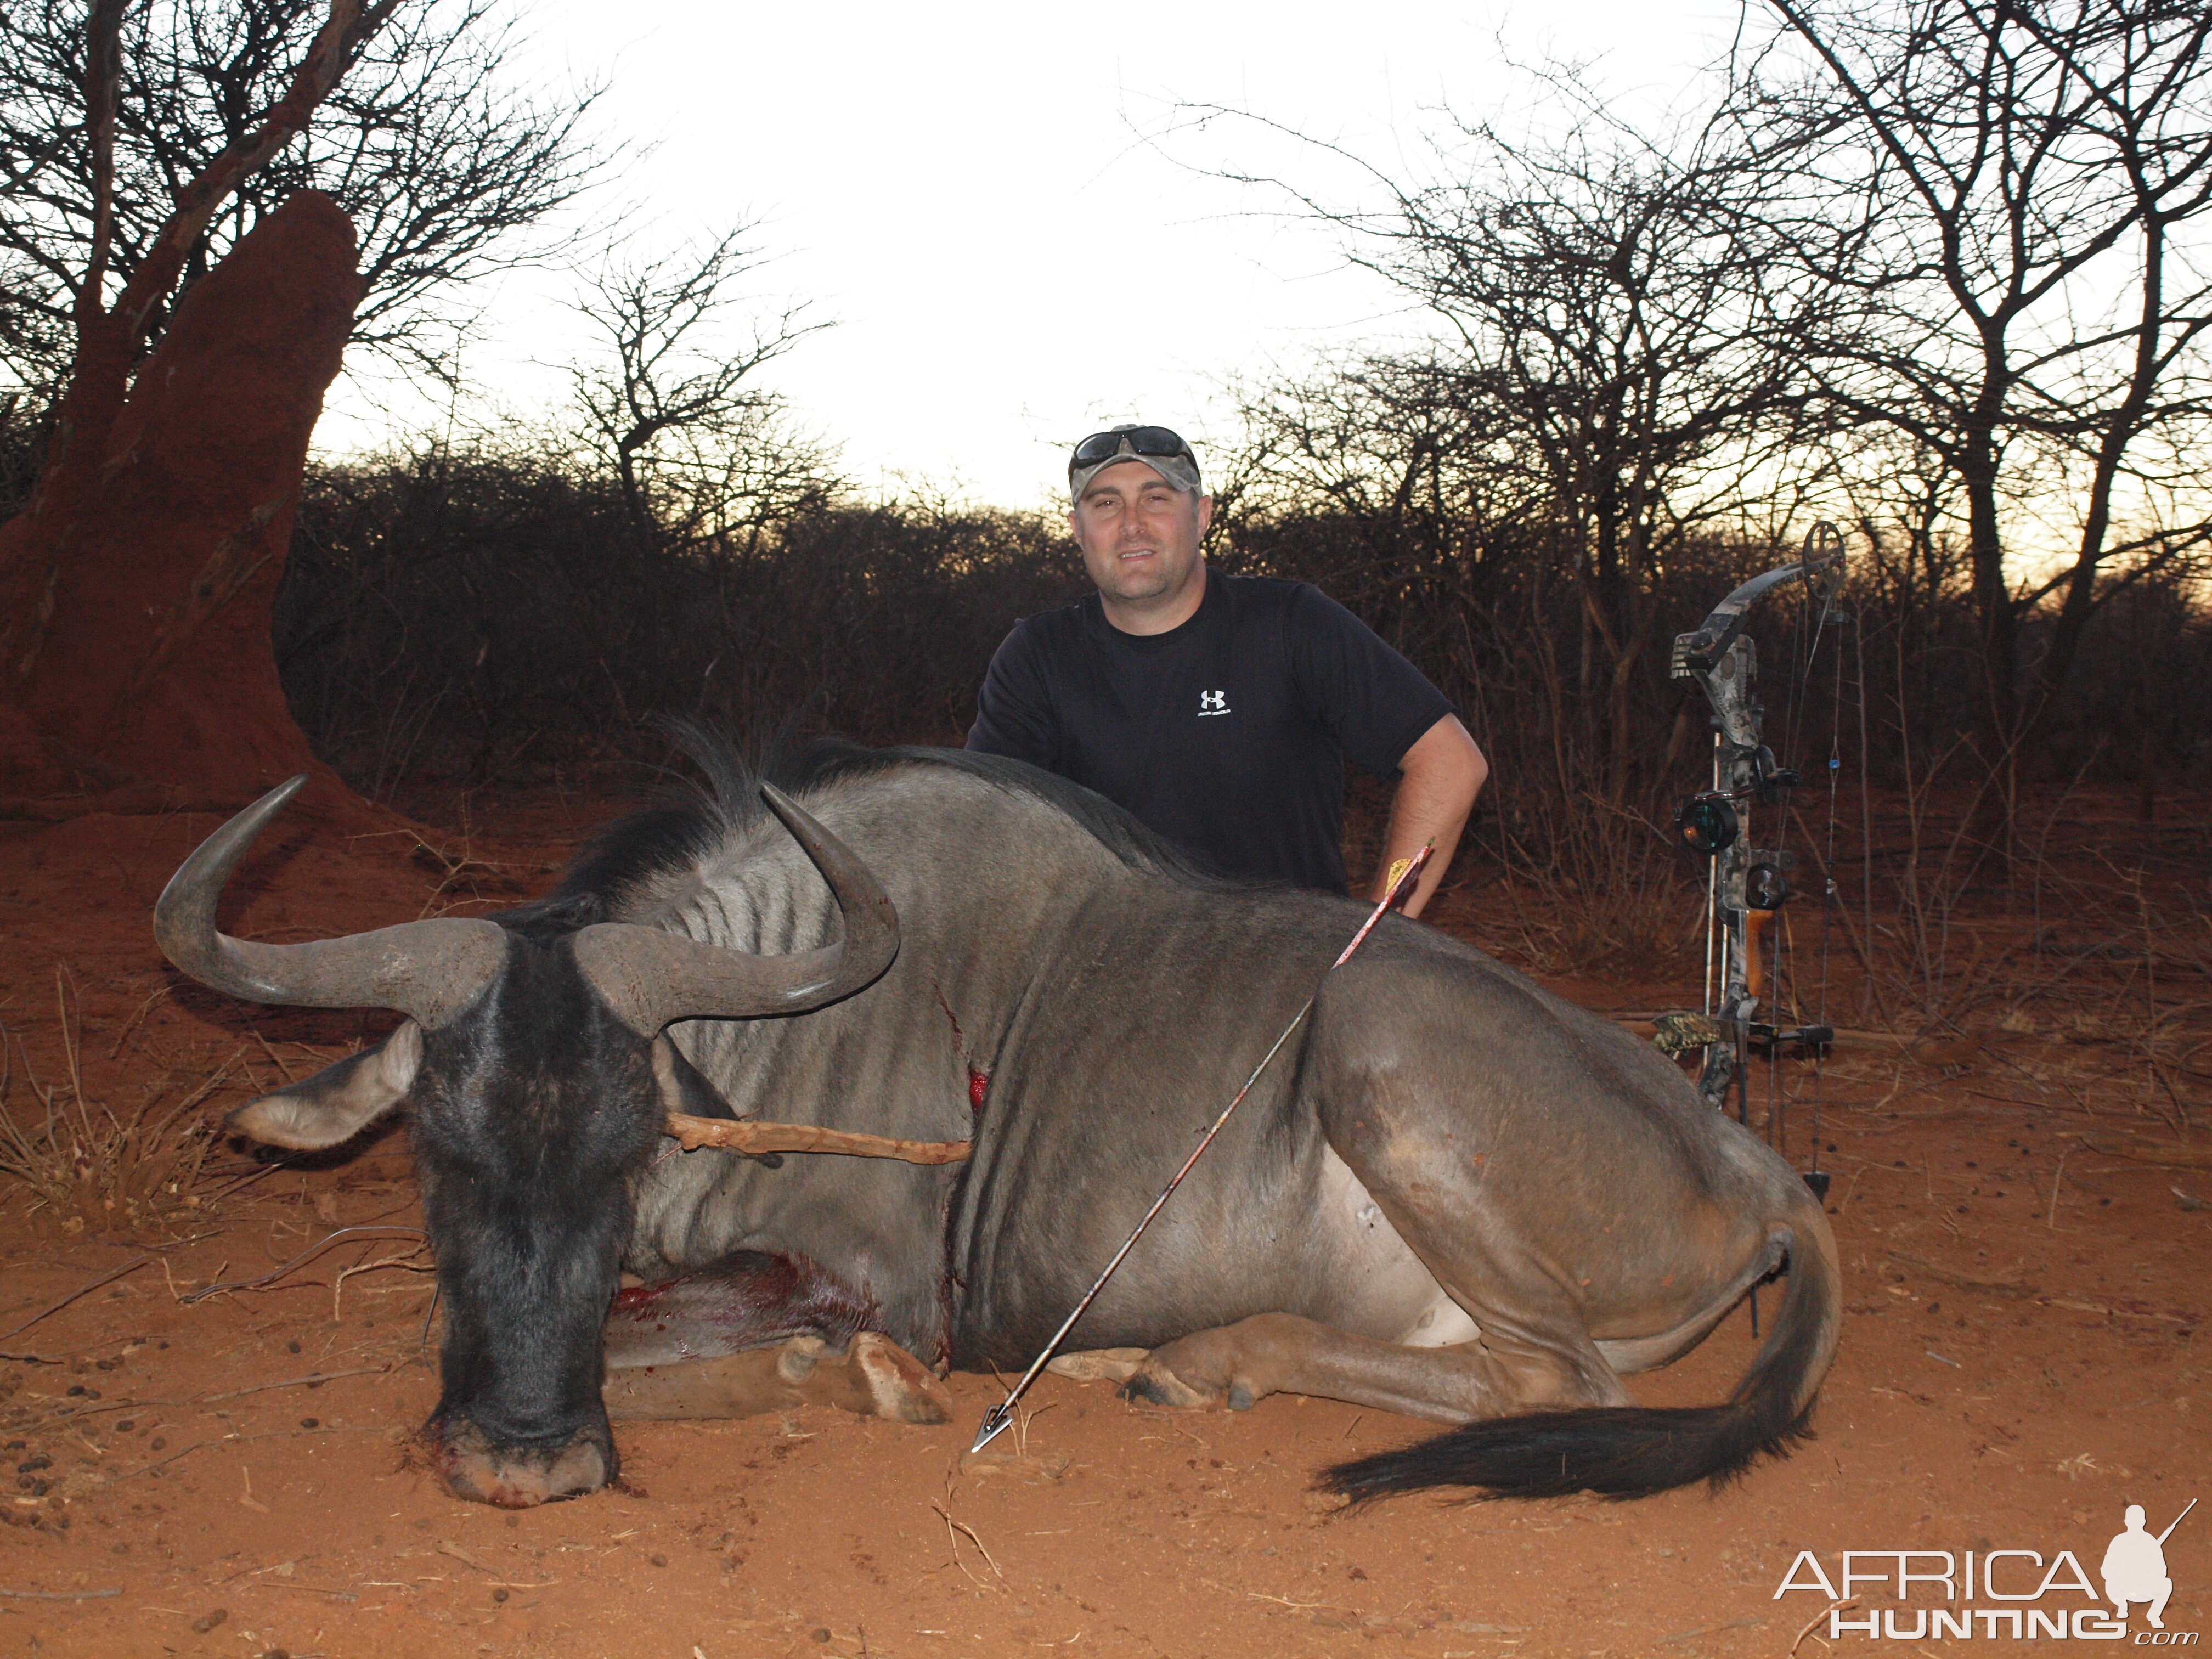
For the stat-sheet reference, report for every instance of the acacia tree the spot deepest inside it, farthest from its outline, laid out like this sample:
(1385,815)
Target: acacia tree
(1609,300)
(1420,479)
(437,160)
(674,407)
(2002,188)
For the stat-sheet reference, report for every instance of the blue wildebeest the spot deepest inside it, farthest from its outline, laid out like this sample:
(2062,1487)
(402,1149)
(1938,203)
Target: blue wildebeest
(1457,1197)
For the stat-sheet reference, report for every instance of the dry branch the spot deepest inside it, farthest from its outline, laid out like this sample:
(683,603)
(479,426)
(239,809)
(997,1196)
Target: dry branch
(82,1290)
(311,1380)
(953,1531)
(344,33)
(755,1139)
(343,1235)
(2164,1153)
(103,72)
(405,1261)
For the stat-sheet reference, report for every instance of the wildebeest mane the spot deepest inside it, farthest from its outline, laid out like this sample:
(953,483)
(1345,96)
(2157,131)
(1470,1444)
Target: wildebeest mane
(726,800)
(619,858)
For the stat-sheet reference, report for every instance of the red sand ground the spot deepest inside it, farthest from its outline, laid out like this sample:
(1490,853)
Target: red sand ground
(2018,1364)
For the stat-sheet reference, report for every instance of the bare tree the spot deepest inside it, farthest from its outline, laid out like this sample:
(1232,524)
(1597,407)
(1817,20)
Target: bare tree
(2003,186)
(1611,315)
(1424,479)
(676,411)
(437,158)
(1382,435)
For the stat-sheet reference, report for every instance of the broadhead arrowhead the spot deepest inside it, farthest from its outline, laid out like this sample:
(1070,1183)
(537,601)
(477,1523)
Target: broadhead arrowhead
(993,1424)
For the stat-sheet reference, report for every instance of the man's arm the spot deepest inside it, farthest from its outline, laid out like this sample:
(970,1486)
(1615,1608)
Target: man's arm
(1441,774)
(1013,710)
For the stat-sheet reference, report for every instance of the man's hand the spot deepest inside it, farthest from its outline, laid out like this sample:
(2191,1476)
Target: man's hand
(1443,773)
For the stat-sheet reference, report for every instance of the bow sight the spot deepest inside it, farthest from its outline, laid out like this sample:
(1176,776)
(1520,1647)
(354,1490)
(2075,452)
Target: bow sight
(1747,884)
(1708,822)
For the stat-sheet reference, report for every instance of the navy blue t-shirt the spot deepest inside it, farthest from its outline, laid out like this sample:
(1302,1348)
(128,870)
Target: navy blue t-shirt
(1227,735)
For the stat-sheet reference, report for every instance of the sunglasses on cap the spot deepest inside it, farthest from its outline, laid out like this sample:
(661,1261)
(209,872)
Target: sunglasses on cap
(1156,441)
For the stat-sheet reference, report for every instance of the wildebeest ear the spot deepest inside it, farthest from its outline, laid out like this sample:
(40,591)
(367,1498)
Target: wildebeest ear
(681,1089)
(339,1101)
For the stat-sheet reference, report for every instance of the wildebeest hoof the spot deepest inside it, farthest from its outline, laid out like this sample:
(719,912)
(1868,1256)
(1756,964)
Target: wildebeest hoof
(795,1361)
(516,1477)
(900,1387)
(1157,1385)
(1236,1367)
(873,1377)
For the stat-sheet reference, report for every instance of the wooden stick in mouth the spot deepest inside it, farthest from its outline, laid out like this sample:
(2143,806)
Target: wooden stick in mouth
(756,1137)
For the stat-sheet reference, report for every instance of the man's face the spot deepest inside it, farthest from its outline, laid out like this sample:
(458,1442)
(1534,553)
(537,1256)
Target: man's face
(1140,536)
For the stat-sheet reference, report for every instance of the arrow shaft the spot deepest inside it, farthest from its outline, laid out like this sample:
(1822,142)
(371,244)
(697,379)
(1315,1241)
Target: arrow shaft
(1137,1232)
(1000,1415)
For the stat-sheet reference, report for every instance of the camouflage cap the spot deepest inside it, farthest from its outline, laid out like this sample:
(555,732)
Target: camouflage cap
(1158,447)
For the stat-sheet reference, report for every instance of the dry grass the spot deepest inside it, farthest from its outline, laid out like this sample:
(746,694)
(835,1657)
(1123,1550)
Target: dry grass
(1557,923)
(1595,888)
(88,1165)
(2076,972)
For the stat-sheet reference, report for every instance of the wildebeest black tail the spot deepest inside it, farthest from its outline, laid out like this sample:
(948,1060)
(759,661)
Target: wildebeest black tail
(1633,1451)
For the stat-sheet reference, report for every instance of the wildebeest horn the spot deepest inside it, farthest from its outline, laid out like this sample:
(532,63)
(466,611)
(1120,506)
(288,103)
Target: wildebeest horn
(428,970)
(650,977)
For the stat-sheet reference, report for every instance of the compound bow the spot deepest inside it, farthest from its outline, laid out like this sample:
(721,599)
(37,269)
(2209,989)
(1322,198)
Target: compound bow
(1747,884)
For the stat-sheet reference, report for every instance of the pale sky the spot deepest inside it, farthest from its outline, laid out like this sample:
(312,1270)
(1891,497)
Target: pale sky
(996,205)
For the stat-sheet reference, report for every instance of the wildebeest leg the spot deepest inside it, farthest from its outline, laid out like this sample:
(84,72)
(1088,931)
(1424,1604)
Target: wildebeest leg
(1098,1365)
(1390,1122)
(873,1376)
(1239,1365)
(757,1333)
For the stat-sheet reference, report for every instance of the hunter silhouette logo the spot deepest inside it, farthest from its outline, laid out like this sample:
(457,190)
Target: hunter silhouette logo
(2135,1567)
(1213,702)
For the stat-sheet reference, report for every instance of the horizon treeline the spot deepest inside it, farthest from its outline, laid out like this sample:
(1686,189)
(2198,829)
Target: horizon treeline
(501,615)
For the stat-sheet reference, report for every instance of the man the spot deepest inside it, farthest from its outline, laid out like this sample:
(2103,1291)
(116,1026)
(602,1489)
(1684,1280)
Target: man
(1219,709)
(2134,1567)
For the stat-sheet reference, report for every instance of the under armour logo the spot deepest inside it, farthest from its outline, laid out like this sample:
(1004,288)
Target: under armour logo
(1213,702)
